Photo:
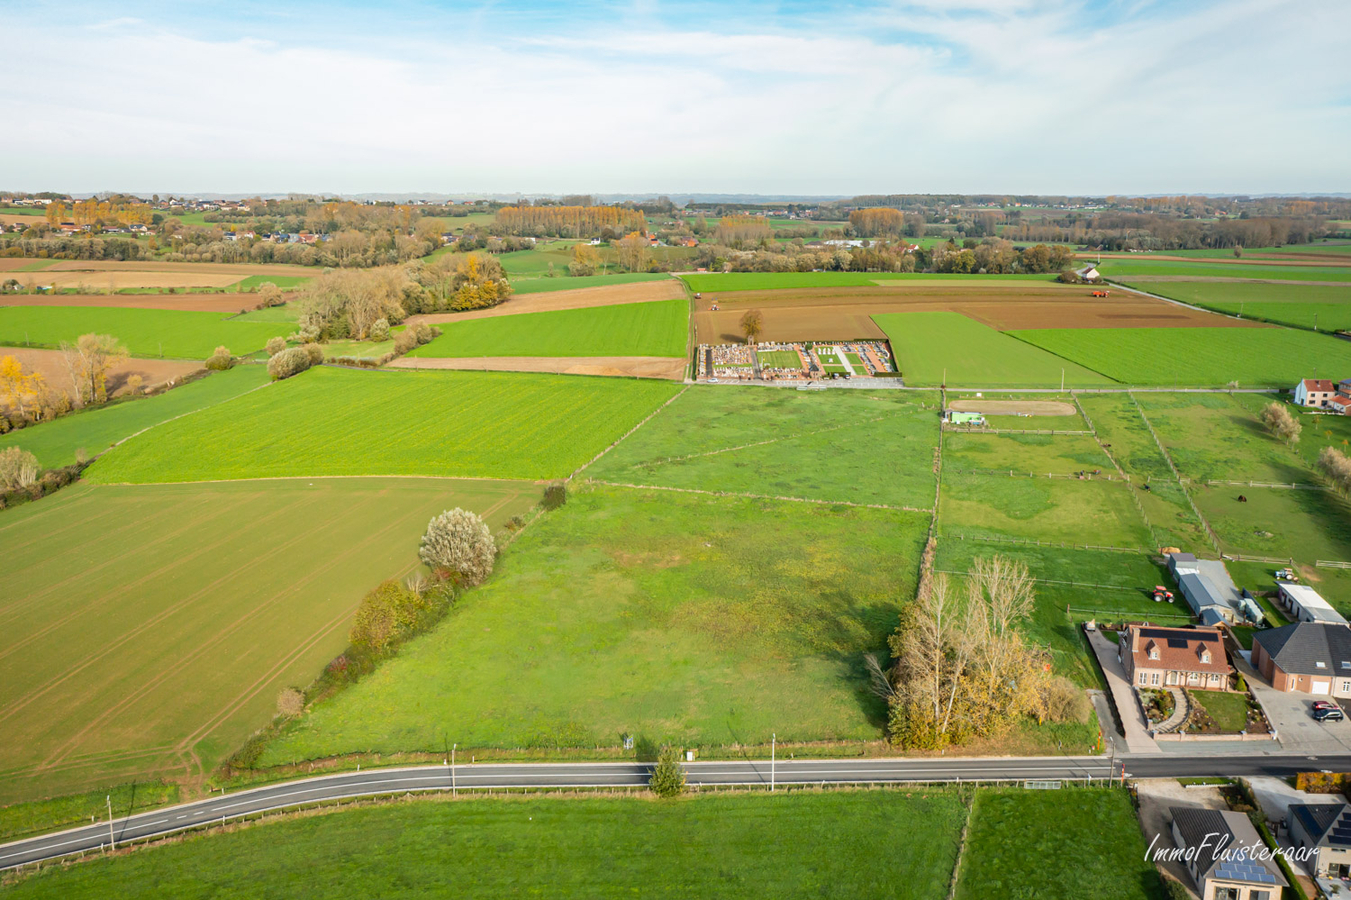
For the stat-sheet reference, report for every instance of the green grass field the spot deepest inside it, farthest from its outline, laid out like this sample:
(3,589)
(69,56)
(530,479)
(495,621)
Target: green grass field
(1079,512)
(928,344)
(571,283)
(285,282)
(1253,357)
(670,616)
(838,844)
(149,628)
(1123,269)
(150,333)
(658,328)
(1062,844)
(1039,453)
(780,359)
(55,443)
(1219,437)
(343,422)
(764,281)
(853,446)
(1299,305)
(70,810)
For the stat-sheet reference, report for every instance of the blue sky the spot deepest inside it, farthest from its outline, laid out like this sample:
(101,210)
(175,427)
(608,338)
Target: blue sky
(1095,96)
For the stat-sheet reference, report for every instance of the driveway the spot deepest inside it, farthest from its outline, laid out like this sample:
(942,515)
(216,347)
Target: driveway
(1155,796)
(1291,714)
(1123,697)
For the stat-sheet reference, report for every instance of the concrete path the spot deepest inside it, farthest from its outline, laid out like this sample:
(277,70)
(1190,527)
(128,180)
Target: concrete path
(1182,709)
(1137,735)
(1291,716)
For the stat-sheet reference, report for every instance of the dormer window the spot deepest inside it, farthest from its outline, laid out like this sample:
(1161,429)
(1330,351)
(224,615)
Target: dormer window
(1152,649)
(1205,655)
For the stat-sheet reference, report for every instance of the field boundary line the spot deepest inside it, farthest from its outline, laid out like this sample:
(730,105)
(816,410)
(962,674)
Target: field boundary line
(749,496)
(621,438)
(1177,476)
(961,850)
(312,478)
(1081,584)
(1063,545)
(1134,491)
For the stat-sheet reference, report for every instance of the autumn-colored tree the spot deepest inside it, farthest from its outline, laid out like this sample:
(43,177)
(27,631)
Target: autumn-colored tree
(585,259)
(568,221)
(635,251)
(19,388)
(752,324)
(1280,423)
(877,221)
(743,231)
(89,361)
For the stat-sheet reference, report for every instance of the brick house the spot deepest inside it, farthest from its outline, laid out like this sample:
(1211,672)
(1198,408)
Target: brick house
(1154,656)
(1314,392)
(1308,657)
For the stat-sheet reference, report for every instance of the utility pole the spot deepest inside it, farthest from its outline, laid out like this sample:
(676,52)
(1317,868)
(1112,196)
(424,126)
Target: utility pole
(452,768)
(1062,381)
(111,837)
(773,740)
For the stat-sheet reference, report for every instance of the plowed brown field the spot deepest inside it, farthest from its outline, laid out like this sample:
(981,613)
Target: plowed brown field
(581,298)
(843,313)
(52,365)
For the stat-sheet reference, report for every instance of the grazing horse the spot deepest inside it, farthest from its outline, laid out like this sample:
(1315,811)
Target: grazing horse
(1242,499)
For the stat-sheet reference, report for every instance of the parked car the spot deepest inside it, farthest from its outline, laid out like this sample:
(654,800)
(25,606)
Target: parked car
(1324,704)
(1334,714)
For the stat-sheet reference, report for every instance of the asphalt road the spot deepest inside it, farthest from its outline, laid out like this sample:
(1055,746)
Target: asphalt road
(347,785)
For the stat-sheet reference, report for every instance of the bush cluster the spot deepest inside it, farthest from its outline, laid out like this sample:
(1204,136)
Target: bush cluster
(290,362)
(30,485)
(220,360)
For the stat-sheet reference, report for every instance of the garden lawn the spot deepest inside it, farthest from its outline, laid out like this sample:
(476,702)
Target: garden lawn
(1071,843)
(672,617)
(1253,357)
(929,344)
(836,844)
(330,421)
(1228,710)
(1300,305)
(150,333)
(657,328)
(55,443)
(149,628)
(855,446)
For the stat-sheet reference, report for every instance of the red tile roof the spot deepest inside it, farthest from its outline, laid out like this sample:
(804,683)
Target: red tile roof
(1179,649)
(1318,384)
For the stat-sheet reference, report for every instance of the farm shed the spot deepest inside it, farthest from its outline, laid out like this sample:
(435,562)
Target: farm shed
(1210,592)
(1307,605)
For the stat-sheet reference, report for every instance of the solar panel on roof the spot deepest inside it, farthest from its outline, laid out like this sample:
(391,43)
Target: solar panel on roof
(1177,642)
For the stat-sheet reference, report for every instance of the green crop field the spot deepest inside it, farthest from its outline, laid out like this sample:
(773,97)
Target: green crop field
(1066,843)
(1301,305)
(657,328)
(1124,269)
(1253,357)
(671,616)
(150,333)
(927,344)
(149,628)
(763,281)
(55,443)
(343,422)
(840,844)
(572,283)
(1321,246)
(853,446)
(285,282)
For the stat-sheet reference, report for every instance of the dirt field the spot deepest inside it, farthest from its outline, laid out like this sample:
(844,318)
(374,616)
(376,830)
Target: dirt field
(828,314)
(238,270)
(582,298)
(1014,407)
(52,365)
(625,366)
(11,219)
(228,302)
(15,263)
(119,280)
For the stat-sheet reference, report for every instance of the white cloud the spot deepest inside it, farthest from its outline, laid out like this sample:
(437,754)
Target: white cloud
(991,96)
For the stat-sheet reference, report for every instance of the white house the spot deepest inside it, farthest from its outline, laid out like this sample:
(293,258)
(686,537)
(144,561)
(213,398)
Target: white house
(1314,392)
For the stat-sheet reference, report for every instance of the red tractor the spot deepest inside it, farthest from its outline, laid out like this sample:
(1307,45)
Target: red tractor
(1161,594)
(1099,293)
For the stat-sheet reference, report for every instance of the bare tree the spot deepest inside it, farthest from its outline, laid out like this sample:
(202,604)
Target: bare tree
(1280,423)
(752,324)
(89,360)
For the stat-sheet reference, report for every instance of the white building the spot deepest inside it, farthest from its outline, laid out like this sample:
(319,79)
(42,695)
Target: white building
(1307,605)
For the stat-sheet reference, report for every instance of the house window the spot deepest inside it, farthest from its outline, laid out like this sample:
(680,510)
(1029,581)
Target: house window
(1154,678)
(1345,687)
(1320,664)
(1259,895)
(1227,893)
(1205,656)
(1142,677)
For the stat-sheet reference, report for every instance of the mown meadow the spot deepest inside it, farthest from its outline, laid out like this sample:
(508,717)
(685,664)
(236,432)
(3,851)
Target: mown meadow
(149,333)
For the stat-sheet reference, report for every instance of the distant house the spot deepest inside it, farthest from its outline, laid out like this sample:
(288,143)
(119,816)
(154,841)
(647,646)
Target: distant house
(1340,404)
(1225,855)
(1323,829)
(1089,273)
(1306,657)
(1182,657)
(1307,605)
(953,417)
(1314,392)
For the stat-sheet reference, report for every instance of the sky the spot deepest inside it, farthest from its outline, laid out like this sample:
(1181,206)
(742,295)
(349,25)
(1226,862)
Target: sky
(1080,97)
